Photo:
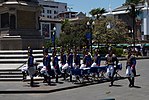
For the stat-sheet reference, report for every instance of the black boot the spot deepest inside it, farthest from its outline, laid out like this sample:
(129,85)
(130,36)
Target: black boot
(31,83)
(56,78)
(64,75)
(49,80)
(24,75)
(45,79)
(130,81)
(70,78)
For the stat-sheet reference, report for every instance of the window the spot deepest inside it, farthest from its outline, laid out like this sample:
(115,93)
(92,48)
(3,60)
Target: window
(48,11)
(5,20)
(55,17)
(55,12)
(43,11)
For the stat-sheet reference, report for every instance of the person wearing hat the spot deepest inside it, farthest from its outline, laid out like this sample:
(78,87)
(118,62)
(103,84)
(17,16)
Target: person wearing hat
(70,61)
(111,60)
(56,65)
(30,63)
(64,65)
(87,59)
(63,58)
(77,59)
(97,59)
(47,66)
(130,68)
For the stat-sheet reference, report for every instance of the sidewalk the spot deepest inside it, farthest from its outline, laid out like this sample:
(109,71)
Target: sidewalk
(39,86)
(12,87)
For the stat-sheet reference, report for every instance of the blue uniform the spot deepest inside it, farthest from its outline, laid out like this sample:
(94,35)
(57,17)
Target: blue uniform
(70,60)
(30,61)
(63,59)
(46,62)
(77,59)
(131,61)
(88,61)
(56,65)
(98,60)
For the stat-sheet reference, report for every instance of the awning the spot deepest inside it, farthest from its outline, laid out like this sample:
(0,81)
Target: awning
(147,45)
(123,45)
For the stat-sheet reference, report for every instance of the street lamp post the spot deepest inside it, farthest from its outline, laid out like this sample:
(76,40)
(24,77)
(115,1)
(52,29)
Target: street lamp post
(108,27)
(133,10)
(54,33)
(91,27)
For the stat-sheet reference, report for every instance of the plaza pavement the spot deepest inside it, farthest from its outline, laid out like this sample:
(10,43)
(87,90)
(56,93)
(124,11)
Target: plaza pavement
(12,87)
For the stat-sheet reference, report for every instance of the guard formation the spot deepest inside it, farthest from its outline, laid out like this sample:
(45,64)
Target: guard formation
(72,65)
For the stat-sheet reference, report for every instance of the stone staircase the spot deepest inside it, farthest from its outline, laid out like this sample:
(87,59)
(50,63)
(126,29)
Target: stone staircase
(12,60)
(10,75)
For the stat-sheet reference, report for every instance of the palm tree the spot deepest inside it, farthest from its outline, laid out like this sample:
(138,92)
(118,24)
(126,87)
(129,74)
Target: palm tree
(97,12)
(133,13)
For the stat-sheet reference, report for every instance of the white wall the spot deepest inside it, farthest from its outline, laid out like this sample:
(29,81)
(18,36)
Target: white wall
(61,7)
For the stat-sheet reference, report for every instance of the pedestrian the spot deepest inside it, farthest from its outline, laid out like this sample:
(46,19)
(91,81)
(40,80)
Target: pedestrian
(87,60)
(47,66)
(77,59)
(97,59)
(56,65)
(31,67)
(130,68)
(70,62)
(111,60)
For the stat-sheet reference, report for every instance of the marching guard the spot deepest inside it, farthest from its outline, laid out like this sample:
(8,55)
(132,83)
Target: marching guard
(70,62)
(87,59)
(130,68)
(56,65)
(77,59)
(97,59)
(63,59)
(31,67)
(47,66)
(111,60)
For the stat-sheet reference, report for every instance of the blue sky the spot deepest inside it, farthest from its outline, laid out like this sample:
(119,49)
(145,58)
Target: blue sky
(86,5)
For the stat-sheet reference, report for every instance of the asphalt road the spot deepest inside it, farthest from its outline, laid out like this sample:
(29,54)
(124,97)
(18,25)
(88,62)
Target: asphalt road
(101,91)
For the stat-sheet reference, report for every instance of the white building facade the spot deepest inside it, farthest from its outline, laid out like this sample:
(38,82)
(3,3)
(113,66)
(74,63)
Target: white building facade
(142,20)
(49,19)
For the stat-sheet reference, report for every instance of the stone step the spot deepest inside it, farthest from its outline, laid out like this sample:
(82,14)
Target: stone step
(10,79)
(7,61)
(19,51)
(10,75)
(21,56)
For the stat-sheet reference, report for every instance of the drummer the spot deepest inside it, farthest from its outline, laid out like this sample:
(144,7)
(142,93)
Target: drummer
(77,59)
(111,60)
(87,60)
(47,66)
(130,68)
(97,59)
(56,65)
(31,67)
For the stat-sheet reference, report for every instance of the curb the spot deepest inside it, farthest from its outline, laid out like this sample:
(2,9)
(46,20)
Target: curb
(58,89)
(54,90)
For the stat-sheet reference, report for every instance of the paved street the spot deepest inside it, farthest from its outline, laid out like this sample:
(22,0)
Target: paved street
(101,91)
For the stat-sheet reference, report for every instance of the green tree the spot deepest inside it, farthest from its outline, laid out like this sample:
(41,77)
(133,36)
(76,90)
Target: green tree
(133,12)
(73,33)
(114,34)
